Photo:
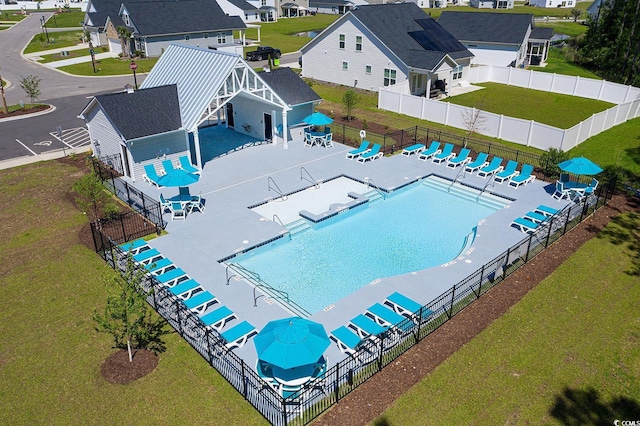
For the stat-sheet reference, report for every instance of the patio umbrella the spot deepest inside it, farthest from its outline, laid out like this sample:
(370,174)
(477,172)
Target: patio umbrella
(178,177)
(580,166)
(317,119)
(291,342)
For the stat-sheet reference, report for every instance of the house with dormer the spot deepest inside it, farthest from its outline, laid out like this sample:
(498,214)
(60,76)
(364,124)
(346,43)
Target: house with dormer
(384,45)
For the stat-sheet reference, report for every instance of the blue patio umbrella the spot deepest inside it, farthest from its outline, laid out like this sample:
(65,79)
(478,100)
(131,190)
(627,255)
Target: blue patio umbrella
(317,119)
(178,177)
(580,166)
(291,342)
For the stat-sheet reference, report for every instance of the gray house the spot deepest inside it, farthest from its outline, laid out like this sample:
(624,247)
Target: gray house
(384,45)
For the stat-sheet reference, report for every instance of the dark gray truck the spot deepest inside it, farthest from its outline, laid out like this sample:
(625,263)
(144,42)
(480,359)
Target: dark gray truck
(263,52)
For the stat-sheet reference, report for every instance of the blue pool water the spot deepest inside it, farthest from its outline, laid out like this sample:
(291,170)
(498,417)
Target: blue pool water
(418,228)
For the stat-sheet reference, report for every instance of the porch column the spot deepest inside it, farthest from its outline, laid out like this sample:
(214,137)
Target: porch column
(285,130)
(427,94)
(196,144)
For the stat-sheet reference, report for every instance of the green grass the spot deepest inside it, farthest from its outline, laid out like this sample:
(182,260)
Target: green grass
(570,28)
(50,355)
(538,12)
(72,54)
(57,40)
(562,111)
(13,16)
(558,64)
(73,18)
(110,66)
(578,329)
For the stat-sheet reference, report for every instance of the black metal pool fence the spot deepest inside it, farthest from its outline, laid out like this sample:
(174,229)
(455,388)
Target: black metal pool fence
(339,380)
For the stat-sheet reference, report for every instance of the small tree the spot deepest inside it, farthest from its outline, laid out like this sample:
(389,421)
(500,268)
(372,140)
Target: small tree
(474,121)
(91,195)
(127,316)
(124,34)
(576,13)
(350,99)
(549,162)
(31,86)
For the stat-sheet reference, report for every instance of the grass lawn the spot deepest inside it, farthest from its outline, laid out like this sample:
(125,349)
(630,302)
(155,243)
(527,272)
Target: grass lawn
(13,16)
(538,12)
(50,355)
(562,111)
(579,329)
(57,39)
(72,54)
(570,28)
(73,18)
(110,66)
(557,63)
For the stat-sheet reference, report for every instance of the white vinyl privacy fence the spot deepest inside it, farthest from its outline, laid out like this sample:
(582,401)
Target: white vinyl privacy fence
(524,132)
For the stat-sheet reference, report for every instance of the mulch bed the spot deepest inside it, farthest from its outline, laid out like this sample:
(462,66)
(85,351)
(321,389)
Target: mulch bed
(371,399)
(24,111)
(118,370)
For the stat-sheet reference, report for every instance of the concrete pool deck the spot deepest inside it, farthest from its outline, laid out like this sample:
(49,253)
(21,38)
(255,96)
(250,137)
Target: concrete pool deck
(232,183)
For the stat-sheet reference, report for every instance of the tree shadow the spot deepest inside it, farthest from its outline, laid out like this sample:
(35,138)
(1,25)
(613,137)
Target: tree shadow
(625,229)
(634,153)
(381,421)
(585,407)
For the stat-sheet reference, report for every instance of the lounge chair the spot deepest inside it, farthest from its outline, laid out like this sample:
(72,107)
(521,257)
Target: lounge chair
(348,342)
(160,266)
(151,175)
(433,149)
(445,154)
(388,318)
(365,327)
(413,149)
(461,159)
(238,335)
(168,166)
(546,210)
(478,163)
(406,306)
(525,225)
(373,154)
(536,217)
(134,247)
(186,289)
(493,168)
(508,172)
(177,211)
(146,257)
(173,277)
(524,177)
(185,164)
(164,204)
(200,302)
(364,147)
(218,318)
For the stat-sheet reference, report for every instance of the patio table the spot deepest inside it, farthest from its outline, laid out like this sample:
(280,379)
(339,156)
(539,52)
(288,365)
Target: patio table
(319,138)
(296,376)
(183,199)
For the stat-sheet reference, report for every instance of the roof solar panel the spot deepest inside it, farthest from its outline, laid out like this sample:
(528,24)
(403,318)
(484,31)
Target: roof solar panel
(434,37)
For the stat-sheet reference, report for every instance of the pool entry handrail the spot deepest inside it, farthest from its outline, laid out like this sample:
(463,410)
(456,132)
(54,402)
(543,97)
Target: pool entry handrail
(461,173)
(275,216)
(275,187)
(309,178)
(489,182)
(375,187)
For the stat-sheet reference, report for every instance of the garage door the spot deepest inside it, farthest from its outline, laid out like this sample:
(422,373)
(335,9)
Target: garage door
(115,46)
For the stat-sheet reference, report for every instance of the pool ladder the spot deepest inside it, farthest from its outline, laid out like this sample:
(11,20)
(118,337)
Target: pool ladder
(308,177)
(375,187)
(461,173)
(275,187)
(491,182)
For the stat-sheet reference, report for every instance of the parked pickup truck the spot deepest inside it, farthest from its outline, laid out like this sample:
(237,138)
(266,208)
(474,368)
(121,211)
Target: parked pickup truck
(263,53)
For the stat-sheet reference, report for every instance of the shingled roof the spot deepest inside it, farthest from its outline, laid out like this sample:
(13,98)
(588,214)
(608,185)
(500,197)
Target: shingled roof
(504,28)
(180,17)
(144,112)
(411,34)
(105,9)
(289,86)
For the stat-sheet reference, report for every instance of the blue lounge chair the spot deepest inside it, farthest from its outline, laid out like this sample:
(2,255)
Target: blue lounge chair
(546,210)
(160,266)
(413,149)
(406,306)
(185,164)
(238,335)
(200,302)
(186,289)
(478,163)
(218,318)
(524,177)
(148,256)
(364,147)
(433,149)
(373,154)
(493,168)
(134,247)
(151,175)
(173,277)
(525,225)
(168,166)
(508,172)
(386,317)
(348,342)
(461,159)
(445,154)
(536,217)
(365,327)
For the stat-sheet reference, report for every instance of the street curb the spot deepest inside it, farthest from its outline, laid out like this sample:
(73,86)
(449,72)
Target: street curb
(35,114)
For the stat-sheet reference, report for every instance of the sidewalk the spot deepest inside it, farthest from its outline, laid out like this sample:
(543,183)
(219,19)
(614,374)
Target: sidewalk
(64,62)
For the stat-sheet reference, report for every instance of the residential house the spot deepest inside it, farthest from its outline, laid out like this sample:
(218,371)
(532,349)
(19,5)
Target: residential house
(187,89)
(385,45)
(500,39)
(491,4)
(553,3)
(266,8)
(95,18)
(334,7)
(245,10)
(291,8)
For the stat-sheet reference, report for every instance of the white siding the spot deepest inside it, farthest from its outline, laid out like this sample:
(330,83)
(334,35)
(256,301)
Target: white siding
(553,3)
(323,61)
(154,149)
(499,56)
(102,131)
(157,45)
(249,113)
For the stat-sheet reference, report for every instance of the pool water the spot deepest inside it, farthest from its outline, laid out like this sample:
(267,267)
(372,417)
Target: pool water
(418,228)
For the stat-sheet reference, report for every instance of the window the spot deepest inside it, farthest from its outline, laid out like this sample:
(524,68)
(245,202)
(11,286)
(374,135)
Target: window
(342,41)
(502,5)
(187,37)
(206,35)
(345,66)
(367,69)
(358,43)
(222,38)
(263,2)
(457,72)
(389,77)
(246,16)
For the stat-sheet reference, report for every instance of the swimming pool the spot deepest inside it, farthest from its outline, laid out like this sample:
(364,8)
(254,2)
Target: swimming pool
(417,228)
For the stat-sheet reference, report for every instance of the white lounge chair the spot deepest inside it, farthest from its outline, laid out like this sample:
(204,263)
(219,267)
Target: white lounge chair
(413,149)
(218,318)
(238,335)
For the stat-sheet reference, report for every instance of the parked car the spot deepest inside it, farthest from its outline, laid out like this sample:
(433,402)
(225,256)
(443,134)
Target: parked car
(263,52)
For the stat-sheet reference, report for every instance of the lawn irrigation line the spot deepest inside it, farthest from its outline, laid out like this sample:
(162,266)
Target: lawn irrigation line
(269,174)
(27,148)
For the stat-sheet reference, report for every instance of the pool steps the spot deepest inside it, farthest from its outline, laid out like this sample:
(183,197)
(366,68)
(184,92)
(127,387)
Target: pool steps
(468,193)
(299,226)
